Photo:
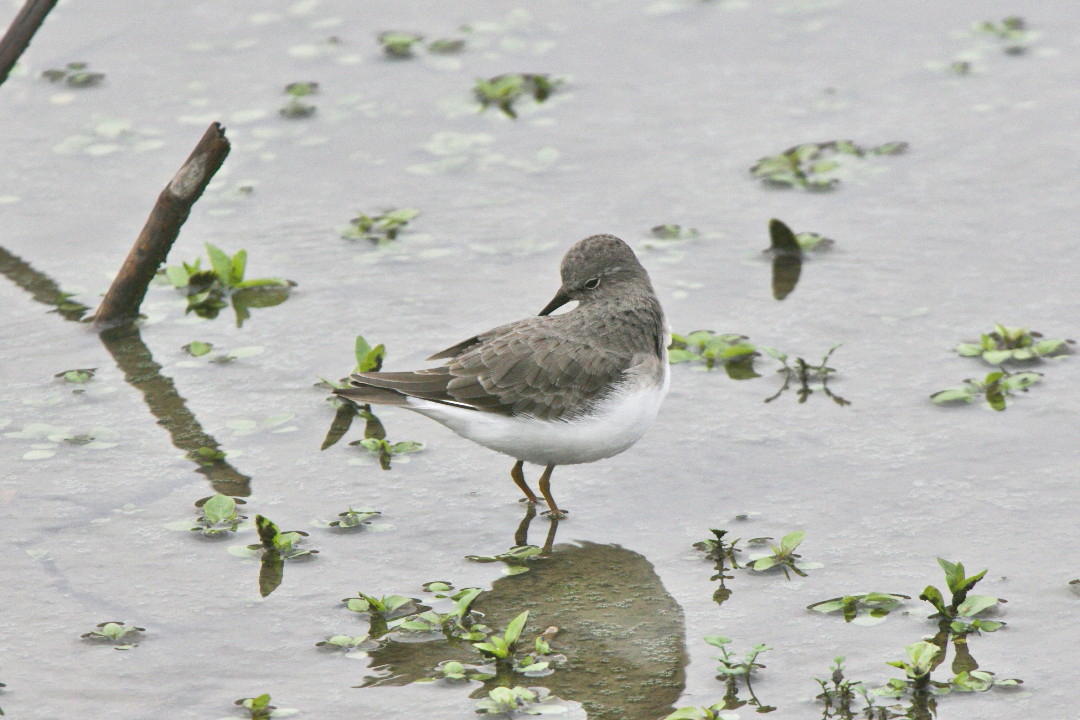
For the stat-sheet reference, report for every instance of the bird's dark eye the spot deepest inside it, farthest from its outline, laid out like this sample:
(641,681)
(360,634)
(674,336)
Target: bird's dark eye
(592,283)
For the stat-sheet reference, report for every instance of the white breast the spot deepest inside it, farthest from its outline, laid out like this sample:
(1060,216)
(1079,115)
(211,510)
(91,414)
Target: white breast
(616,424)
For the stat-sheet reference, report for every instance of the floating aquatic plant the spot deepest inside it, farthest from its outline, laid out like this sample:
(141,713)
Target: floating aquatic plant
(397,44)
(860,605)
(516,558)
(504,91)
(80,376)
(1011,31)
(295,108)
(219,515)
(382,228)
(816,166)
(520,700)
(670,231)
(197,348)
(352,519)
(259,708)
(116,632)
(731,670)
(74,74)
(1005,344)
(784,557)
(728,350)
(995,387)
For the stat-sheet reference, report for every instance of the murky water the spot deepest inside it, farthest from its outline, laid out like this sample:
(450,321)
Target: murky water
(665,106)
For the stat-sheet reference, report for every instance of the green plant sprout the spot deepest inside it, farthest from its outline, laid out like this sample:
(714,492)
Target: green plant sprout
(806,374)
(784,557)
(352,519)
(259,708)
(197,348)
(295,108)
(74,74)
(723,554)
(731,670)
(873,605)
(995,387)
(382,228)
(352,645)
(219,515)
(503,91)
(396,44)
(385,450)
(1012,31)
(207,290)
(382,610)
(1005,344)
(272,539)
(674,232)
(368,359)
(517,558)
(729,350)
(116,632)
(503,647)
(959,585)
(838,697)
(816,166)
(456,672)
(526,701)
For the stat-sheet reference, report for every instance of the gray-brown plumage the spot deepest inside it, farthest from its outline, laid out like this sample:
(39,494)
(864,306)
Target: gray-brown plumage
(550,368)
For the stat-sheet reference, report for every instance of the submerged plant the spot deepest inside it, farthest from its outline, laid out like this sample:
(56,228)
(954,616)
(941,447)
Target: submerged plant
(116,632)
(74,74)
(816,166)
(805,374)
(1005,344)
(504,91)
(728,350)
(219,515)
(995,387)
(295,108)
(208,290)
(381,228)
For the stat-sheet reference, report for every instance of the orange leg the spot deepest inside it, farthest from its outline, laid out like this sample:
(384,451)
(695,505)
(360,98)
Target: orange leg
(545,489)
(519,480)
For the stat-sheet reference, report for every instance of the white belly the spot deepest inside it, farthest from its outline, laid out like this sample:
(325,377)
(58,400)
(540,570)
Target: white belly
(618,422)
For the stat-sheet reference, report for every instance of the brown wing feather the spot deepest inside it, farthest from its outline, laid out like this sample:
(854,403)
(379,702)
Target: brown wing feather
(524,368)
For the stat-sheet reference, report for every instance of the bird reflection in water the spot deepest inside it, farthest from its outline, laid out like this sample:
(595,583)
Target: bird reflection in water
(620,630)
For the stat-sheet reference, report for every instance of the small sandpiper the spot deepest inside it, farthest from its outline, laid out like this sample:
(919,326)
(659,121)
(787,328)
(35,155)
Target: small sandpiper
(554,389)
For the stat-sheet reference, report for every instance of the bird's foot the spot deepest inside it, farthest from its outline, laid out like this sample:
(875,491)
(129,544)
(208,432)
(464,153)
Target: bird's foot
(531,500)
(555,514)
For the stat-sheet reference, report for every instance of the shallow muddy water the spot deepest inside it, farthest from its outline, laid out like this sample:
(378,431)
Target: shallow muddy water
(665,106)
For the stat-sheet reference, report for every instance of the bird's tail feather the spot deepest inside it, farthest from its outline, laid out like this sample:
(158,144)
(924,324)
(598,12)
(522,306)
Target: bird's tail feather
(371,394)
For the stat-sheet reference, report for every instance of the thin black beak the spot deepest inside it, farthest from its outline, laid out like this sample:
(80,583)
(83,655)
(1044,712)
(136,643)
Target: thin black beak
(560,299)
